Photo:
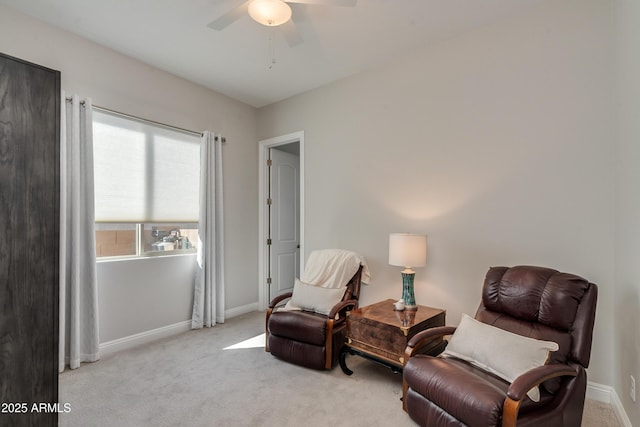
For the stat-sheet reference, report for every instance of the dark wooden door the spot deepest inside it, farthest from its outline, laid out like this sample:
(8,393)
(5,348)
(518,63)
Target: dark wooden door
(29,235)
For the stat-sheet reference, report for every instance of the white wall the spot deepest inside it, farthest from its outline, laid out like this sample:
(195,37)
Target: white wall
(627,292)
(141,295)
(498,144)
(135,296)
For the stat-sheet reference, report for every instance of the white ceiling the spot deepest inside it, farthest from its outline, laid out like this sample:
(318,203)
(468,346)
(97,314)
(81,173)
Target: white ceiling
(338,41)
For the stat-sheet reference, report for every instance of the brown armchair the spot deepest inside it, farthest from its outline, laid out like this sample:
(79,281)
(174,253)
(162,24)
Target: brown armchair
(535,302)
(311,339)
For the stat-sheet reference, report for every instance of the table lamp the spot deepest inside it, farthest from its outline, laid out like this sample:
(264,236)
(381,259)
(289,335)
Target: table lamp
(408,250)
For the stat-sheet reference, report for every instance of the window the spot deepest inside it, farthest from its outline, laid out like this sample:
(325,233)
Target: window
(146,187)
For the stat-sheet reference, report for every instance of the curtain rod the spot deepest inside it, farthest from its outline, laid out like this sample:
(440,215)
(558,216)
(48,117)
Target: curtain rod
(131,116)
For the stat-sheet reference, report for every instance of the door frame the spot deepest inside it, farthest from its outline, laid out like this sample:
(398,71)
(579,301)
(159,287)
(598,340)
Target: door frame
(263,213)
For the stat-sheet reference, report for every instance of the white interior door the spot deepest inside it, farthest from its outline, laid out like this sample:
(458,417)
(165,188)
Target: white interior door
(284,221)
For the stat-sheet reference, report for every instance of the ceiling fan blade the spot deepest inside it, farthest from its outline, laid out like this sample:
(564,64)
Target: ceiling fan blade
(344,3)
(230,17)
(291,33)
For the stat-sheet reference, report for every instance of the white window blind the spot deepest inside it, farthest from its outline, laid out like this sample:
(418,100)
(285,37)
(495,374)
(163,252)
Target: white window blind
(144,172)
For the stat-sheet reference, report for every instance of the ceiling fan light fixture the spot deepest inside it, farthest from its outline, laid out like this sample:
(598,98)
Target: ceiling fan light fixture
(270,12)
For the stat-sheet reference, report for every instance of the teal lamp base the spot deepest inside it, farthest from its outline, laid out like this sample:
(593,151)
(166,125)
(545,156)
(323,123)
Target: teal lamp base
(407,290)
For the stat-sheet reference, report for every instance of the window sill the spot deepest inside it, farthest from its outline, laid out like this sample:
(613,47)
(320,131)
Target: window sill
(149,255)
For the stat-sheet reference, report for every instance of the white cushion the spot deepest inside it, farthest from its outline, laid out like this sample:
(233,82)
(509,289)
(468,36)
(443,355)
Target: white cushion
(314,298)
(500,352)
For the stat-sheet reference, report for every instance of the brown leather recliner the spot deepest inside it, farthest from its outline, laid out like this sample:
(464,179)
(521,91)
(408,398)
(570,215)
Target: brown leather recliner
(536,302)
(307,338)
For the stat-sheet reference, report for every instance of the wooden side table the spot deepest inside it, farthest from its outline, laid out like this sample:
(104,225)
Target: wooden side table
(380,333)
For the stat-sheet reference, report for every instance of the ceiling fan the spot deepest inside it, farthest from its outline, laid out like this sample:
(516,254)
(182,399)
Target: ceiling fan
(273,13)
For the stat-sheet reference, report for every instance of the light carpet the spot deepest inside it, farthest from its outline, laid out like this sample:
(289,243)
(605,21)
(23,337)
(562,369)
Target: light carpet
(222,376)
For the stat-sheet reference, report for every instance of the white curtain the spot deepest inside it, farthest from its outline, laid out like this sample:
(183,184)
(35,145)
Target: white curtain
(208,301)
(79,340)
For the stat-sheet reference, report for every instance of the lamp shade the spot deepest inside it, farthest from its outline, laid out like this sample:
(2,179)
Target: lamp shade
(270,12)
(408,250)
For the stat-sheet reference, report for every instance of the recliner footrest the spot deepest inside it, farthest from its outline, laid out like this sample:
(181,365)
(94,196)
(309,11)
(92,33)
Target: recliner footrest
(302,326)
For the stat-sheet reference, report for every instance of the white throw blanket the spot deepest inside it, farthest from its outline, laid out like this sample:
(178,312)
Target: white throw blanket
(326,272)
(333,268)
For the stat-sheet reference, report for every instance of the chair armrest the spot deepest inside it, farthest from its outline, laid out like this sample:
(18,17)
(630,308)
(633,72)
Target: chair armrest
(521,385)
(274,302)
(341,306)
(533,377)
(279,298)
(414,345)
(428,334)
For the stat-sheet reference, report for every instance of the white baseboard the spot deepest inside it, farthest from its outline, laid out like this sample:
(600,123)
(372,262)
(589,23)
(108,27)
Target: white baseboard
(238,311)
(618,409)
(606,394)
(599,392)
(131,341)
